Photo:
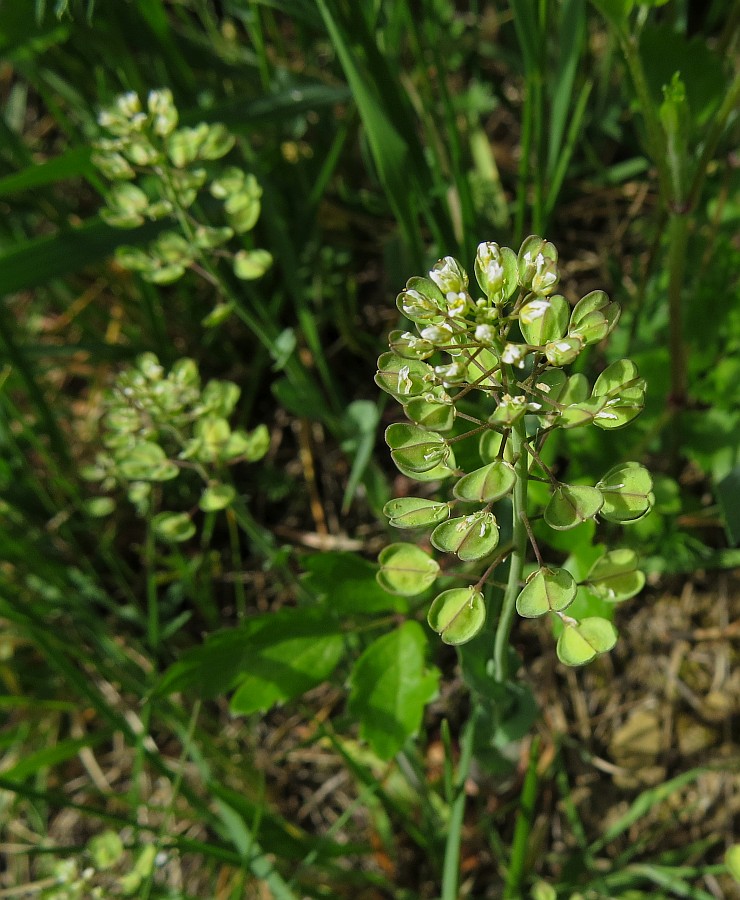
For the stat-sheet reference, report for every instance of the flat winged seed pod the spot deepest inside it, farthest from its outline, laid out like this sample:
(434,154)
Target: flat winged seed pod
(405,569)
(457,615)
(482,377)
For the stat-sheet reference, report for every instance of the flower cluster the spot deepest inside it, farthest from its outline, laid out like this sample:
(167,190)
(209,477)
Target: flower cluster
(489,365)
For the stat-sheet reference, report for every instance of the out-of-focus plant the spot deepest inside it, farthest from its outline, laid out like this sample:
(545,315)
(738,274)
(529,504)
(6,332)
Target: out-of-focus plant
(507,348)
(159,171)
(158,426)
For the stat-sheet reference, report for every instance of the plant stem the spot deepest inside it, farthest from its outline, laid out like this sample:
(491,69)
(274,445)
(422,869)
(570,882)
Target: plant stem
(678,231)
(451,864)
(523,827)
(518,555)
(152,601)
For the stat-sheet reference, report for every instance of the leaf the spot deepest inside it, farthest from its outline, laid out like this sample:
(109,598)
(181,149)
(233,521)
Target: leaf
(389,688)
(628,493)
(487,484)
(572,504)
(415,512)
(583,641)
(457,615)
(470,537)
(406,569)
(286,664)
(615,576)
(346,583)
(37,261)
(270,655)
(548,590)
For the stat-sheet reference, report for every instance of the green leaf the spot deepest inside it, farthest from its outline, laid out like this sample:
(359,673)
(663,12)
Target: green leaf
(572,504)
(628,493)
(284,665)
(583,641)
(389,687)
(270,654)
(544,319)
(406,569)
(216,497)
(548,590)
(346,584)
(415,512)
(727,492)
(414,448)
(173,527)
(470,537)
(615,576)
(403,378)
(487,484)
(457,615)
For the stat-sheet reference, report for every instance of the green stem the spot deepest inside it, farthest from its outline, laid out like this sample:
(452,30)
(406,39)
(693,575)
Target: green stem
(523,827)
(152,602)
(655,137)
(518,555)
(451,865)
(678,232)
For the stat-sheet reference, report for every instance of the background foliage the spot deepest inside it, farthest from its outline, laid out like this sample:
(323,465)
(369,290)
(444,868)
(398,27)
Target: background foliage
(205,692)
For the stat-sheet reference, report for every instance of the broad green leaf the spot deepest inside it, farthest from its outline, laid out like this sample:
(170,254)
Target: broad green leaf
(548,590)
(487,484)
(544,319)
(403,378)
(415,512)
(414,448)
(173,527)
(346,583)
(216,497)
(615,576)
(580,643)
(406,569)
(572,504)
(470,537)
(389,687)
(628,492)
(282,666)
(431,414)
(457,615)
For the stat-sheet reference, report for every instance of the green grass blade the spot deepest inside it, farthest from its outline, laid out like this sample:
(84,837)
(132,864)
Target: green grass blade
(569,43)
